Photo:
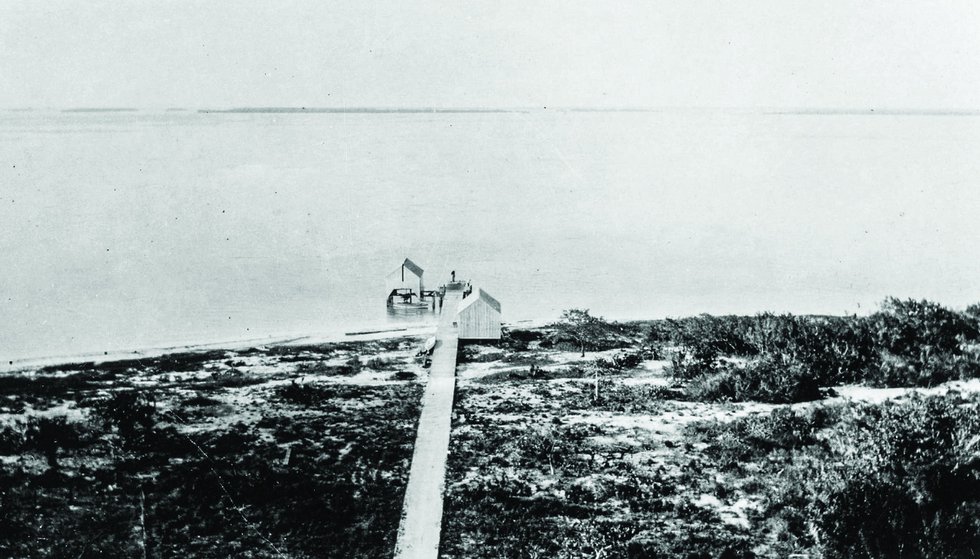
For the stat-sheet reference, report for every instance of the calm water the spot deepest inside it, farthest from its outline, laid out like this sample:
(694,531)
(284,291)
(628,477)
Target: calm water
(123,230)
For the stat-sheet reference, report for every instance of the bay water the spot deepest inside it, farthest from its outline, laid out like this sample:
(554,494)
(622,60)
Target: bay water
(142,228)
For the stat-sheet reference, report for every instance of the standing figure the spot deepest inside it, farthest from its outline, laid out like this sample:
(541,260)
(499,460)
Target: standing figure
(454,276)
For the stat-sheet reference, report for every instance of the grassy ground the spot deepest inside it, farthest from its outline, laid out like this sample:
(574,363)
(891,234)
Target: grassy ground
(298,451)
(539,467)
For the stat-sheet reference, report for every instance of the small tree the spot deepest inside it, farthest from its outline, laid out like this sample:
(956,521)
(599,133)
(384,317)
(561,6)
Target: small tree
(582,327)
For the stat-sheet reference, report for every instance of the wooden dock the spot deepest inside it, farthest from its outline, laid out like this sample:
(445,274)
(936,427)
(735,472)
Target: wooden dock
(421,522)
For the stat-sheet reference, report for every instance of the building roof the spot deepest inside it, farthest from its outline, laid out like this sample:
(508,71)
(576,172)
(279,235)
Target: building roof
(413,267)
(477,295)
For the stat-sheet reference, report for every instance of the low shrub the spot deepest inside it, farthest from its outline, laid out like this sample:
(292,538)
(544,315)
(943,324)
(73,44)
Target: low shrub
(900,479)
(622,361)
(12,438)
(352,366)
(50,435)
(476,353)
(232,378)
(382,364)
(305,395)
(910,328)
(929,370)
(349,368)
(44,390)
(750,438)
(762,380)
(519,340)
(200,400)
(973,311)
(132,413)
(624,398)
(185,362)
(403,375)
(916,461)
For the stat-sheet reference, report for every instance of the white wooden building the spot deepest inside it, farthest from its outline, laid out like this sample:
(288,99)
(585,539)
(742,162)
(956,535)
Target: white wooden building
(478,317)
(405,279)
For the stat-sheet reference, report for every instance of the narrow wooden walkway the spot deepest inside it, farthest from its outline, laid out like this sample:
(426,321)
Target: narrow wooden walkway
(421,523)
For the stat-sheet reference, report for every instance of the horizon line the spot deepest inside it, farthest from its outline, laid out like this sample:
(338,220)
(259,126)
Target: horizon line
(288,109)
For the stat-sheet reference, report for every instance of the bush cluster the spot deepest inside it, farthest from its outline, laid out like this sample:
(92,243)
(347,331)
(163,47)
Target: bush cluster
(786,358)
(764,380)
(917,462)
(900,479)
(735,443)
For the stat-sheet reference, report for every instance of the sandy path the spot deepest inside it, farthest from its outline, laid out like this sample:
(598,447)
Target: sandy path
(419,531)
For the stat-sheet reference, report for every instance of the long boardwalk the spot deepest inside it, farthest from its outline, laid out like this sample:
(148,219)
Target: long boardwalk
(421,523)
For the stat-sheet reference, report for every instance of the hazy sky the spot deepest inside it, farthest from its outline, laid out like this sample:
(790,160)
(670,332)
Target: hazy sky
(757,53)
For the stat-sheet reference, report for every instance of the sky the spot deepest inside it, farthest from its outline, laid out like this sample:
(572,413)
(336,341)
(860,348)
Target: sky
(693,53)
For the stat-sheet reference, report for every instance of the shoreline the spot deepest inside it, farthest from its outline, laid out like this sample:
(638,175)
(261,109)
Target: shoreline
(30,364)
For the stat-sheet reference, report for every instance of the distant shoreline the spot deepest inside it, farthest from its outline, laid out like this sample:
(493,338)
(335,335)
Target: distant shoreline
(101,110)
(762,111)
(342,110)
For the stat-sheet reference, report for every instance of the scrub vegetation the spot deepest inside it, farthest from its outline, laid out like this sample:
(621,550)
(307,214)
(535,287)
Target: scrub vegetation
(289,451)
(721,437)
(698,438)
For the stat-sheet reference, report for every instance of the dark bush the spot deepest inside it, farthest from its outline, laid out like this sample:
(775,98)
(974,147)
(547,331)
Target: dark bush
(708,337)
(475,353)
(755,436)
(305,395)
(911,486)
(973,311)
(915,329)
(762,380)
(935,369)
(352,366)
(318,368)
(200,400)
(519,340)
(923,344)
(403,375)
(381,364)
(44,389)
(231,378)
(620,361)
(49,435)
(12,438)
(187,362)
(131,413)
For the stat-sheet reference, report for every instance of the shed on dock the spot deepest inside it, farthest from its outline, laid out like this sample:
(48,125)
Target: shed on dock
(478,317)
(406,279)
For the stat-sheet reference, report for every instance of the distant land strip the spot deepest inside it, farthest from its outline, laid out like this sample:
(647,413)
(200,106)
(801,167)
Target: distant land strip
(775,111)
(411,110)
(356,110)
(99,110)
(883,112)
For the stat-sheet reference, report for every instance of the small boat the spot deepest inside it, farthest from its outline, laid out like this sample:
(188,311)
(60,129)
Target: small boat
(430,344)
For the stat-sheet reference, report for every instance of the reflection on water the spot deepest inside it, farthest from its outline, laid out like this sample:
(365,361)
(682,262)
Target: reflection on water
(413,314)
